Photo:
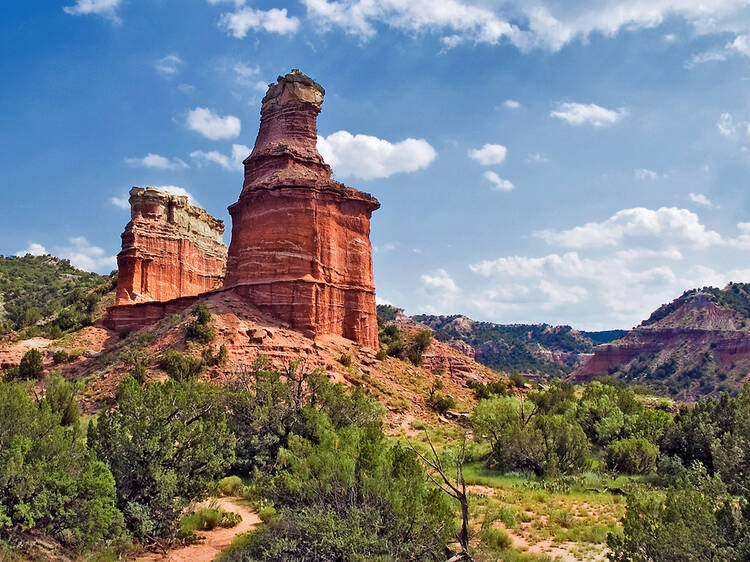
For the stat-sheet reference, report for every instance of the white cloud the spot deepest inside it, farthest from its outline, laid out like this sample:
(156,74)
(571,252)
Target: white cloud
(248,75)
(489,154)
(169,65)
(157,161)
(668,224)
(498,183)
(645,174)
(34,249)
(212,126)
(740,45)
(714,55)
(646,253)
(557,295)
(670,37)
(120,202)
(85,256)
(701,199)
(440,283)
(245,74)
(275,20)
(548,24)
(233,162)
(588,114)
(659,254)
(512,104)
(367,157)
(385,248)
(536,158)
(455,20)
(105,8)
(730,127)
(382,302)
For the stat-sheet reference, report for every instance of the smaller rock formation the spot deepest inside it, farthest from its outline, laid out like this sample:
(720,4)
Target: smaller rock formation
(170,249)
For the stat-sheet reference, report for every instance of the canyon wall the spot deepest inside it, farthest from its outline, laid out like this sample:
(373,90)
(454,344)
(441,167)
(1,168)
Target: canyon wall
(170,249)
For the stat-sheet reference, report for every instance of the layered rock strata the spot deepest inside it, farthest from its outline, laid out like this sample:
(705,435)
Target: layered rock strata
(170,249)
(300,247)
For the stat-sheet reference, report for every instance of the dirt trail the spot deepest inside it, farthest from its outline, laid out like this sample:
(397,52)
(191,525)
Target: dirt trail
(216,541)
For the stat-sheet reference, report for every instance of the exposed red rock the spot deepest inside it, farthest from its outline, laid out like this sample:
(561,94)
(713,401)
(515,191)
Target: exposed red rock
(170,249)
(301,246)
(691,336)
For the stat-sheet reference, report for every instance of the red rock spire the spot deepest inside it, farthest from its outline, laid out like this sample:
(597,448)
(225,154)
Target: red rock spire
(300,240)
(288,134)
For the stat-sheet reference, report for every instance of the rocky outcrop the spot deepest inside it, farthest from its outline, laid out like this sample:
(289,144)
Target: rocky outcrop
(300,247)
(694,345)
(170,249)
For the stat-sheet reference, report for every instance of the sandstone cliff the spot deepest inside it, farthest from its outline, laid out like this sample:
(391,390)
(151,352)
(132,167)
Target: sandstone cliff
(696,345)
(170,249)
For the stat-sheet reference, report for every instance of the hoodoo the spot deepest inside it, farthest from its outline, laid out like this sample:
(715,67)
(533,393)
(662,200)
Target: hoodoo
(170,249)
(301,241)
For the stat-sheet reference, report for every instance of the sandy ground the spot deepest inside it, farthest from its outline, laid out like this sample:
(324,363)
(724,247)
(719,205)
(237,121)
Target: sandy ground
(216,541)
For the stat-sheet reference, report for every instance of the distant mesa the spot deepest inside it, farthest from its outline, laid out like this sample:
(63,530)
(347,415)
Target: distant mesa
(300,248)
(696,345)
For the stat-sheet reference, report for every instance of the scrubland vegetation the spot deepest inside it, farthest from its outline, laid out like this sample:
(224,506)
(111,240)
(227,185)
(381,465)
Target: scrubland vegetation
(578,469)
(549,468)
(46,296)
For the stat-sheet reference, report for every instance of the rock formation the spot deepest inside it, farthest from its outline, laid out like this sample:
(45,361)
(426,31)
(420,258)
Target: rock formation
(693,346)
(170,249)
(300,245)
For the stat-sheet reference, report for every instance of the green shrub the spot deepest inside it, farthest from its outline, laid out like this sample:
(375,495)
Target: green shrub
(50,482)
(482,391)
(349,494)
(137,360)
(495,537)
(201,313)
(200,329)
(632,456)
(382,354)
(229,486)
(518,380)
(145,338)
(207,519)
(345,359)
(441,403)
(166,444)
(31,365)
(213,359)
(508,516)
(437,401)
(60,356)
(267,513)
(179,366)
(201,333)
(61,397)
(396,348)
(563,518)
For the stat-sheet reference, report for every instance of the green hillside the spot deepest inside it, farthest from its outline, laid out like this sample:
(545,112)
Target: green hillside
(525,348)
(33,288)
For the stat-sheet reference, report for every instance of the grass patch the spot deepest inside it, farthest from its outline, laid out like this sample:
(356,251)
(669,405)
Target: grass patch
(207,519)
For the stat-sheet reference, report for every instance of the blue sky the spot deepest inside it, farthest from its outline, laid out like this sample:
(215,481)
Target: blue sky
(573,162)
